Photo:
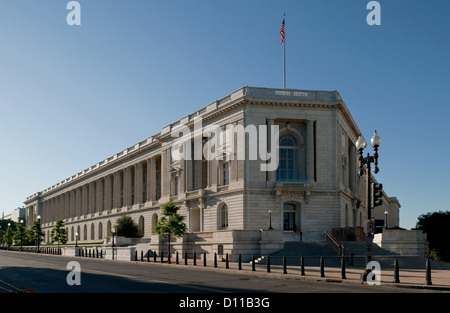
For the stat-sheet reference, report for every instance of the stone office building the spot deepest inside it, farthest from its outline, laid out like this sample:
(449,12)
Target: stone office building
(229,203)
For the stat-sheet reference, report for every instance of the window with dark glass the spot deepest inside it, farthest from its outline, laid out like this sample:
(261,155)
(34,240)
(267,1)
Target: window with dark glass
(225,173)
(288,216)
(288,158)
(224,216)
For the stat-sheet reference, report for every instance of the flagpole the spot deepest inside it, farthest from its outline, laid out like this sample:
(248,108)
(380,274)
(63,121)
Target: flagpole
(284,54)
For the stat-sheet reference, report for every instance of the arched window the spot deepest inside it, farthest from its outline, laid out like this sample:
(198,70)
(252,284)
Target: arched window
(100,230)
(224,217)
(288,158)
(141,224)
(92,231)
(154,221)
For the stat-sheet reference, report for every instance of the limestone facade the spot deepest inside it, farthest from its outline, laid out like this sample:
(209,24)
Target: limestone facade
(315,188)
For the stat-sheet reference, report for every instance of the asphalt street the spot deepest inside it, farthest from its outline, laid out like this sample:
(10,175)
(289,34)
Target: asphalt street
(49,274)
(46,274)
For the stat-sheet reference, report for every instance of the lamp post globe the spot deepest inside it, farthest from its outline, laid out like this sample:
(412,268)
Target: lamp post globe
(361,143)
(376,140)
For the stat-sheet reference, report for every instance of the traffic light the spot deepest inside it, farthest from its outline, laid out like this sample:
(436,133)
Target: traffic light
(377,194)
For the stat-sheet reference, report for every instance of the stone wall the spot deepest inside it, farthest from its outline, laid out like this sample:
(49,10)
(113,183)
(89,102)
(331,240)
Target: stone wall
(404,242)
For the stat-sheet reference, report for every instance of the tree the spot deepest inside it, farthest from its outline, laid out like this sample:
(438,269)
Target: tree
(37,235)
(125,226)
(171,223)
(436,225)
(20,235)
(8,236)
(5,235)
(58,233)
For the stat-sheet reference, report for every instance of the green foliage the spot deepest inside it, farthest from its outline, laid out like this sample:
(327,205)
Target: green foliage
(16,234)
(433,254)
(125,226)
(436,225)
(20,235)
(4,224)
(171,223)
(58,233)
(8,236)
(36,232)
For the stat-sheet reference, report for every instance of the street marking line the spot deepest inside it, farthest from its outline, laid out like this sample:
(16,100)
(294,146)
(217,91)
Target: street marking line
(108,273)
(189,286)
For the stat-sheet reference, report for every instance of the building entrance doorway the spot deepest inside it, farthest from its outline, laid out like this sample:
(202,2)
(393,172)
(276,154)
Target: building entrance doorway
(289,220)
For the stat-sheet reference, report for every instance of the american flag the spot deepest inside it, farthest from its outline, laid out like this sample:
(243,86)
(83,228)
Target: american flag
(282,31)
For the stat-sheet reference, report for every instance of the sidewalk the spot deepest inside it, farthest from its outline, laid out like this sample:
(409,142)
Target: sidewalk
(409,278)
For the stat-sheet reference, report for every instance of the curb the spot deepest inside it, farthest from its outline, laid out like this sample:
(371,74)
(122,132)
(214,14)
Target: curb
(264,274)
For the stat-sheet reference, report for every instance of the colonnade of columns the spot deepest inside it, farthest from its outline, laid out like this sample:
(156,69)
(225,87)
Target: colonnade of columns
(131,185)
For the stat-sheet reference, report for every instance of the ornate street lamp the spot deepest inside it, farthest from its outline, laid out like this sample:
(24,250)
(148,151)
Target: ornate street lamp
(385,219)
(76,239)
(21,234)
(270,220)
(9,235)
(113,231)
(38,233)
(364,167)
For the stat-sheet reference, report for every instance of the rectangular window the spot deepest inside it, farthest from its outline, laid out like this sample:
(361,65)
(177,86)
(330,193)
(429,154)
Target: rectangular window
(226,173)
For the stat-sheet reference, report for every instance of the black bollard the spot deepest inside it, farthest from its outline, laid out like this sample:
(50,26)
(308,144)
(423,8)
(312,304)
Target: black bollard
(284,265)
(428,273)
(215,259)
(148,255)
(268,264)
(253,263)
(302,266)
(185,258)
(135,255)
(204,259)
(195,258)
(154,256)
(226,261)
(142,255)
(168,258)
(322,267)
(240,262)
(177,260)
(343,276)
(162,257)
(396,272)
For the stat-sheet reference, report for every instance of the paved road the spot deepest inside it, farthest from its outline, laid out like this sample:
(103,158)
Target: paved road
(49,273)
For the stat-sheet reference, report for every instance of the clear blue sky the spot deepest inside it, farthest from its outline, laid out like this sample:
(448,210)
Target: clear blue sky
(71,96)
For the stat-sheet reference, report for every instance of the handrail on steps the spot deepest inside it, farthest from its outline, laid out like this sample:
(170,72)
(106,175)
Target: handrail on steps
(343,250)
